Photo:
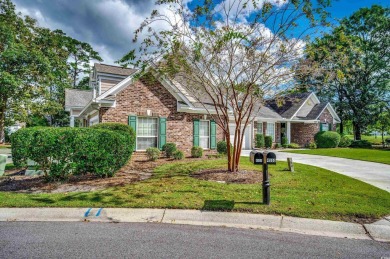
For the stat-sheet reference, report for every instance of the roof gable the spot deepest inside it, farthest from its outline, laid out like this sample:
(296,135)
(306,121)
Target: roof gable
(287,106)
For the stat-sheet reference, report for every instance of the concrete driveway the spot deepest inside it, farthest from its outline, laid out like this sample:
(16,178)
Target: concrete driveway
(6,151)
(375,174)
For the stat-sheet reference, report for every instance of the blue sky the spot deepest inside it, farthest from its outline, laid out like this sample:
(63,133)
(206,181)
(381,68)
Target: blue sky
(108,25)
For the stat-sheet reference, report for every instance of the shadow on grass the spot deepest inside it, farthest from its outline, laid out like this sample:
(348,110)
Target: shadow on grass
(226,205)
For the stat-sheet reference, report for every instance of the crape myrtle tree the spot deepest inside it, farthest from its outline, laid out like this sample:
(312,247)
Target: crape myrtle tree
(352,65)
(232,54)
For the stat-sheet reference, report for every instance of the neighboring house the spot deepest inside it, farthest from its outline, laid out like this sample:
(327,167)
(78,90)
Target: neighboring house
(162,110)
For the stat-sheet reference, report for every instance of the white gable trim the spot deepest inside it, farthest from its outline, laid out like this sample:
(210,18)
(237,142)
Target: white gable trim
(310,95)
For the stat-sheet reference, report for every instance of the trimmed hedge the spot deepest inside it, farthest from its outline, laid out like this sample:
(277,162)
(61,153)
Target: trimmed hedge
(268,141)
(222,147)
(178,155)
(293,145)
(361,144)
(284,141)
(153,153)
(327,139)
(260,142)
(60,152)
(169,149)
(345,141)
(196,152)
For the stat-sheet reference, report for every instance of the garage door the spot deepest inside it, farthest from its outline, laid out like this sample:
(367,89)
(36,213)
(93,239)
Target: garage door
(246,143)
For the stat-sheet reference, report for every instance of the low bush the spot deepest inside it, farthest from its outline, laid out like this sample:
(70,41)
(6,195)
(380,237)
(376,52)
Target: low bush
(360,144)
(222,147)
(196,151)
(312,145)
(259,143)
(153,153)
(169,149)
(327,139)
(278,145)
(60,152)
(387,141)
(284,141)
(178,155)
(268,141)
(293,145)
(345,141)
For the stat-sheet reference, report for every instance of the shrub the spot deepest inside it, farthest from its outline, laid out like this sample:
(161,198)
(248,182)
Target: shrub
(312,145)
(293,145)
(345,141)
(387,141)
(169,149)
(178,155)
(259,141)
(153,153)
(277,145)
(361,144)
(268,141)
(119,127)
(60,152)
(327,139)
(222,147)
(284,141)
(196,151)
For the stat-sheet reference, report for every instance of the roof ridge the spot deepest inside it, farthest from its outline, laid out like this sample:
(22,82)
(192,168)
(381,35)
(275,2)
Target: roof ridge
(75,89)
(113,66)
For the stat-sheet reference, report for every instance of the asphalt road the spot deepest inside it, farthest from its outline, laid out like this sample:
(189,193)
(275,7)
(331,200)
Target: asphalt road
(153,240)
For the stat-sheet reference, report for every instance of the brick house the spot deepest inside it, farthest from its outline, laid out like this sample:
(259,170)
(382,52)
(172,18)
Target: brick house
(162,110)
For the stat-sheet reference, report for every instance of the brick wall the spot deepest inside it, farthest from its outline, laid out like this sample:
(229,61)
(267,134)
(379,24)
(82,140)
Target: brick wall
(145,95)
(302,133)
(328,118)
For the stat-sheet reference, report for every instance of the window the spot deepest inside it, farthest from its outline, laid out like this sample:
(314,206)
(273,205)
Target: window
(204,134)
(260,128)
(146,133)
(270,131)
(324,127)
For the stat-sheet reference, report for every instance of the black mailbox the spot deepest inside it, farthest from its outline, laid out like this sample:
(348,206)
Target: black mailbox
(256,157)
(271,158)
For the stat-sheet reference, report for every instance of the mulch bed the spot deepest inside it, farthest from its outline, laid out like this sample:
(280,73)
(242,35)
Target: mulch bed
(224,176)
(134,171)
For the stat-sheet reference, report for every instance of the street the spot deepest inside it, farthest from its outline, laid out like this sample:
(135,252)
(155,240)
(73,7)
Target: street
(156,240)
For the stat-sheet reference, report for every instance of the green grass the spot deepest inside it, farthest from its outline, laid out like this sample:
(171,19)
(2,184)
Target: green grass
(372,155)
(309,192)
(371,139)
(10,166)
(5,146)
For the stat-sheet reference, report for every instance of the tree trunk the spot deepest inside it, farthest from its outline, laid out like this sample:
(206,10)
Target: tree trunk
(2,124)
(341,127)
(357,131)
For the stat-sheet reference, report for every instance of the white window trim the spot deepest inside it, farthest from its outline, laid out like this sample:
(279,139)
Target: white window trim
(136,137)
(273,137)
(208,121)
(262,127)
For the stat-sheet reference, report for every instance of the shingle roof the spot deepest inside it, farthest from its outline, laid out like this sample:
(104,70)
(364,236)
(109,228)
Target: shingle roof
(77,98)
(288,105)
(268,113)
(115,70)
(316,111)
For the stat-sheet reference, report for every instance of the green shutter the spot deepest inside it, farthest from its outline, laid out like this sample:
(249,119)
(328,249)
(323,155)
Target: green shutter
(196,132)
(162,136)
(330,126)
(133,122)
(320,126)
(213,135)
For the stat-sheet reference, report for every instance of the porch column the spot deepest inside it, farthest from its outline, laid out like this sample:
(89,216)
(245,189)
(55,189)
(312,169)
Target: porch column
(288,132)
(71,124)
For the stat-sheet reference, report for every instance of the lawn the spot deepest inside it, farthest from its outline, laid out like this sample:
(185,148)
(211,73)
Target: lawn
(309,192)
(5,146)
(372,155)
(372,139)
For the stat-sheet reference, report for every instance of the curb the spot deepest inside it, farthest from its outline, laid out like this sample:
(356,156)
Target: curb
(379,231)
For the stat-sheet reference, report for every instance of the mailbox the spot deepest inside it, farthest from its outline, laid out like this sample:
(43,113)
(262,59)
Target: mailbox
(256,157)
(271,158)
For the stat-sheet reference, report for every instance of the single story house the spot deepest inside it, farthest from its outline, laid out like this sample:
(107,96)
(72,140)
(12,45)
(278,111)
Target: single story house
(162,111)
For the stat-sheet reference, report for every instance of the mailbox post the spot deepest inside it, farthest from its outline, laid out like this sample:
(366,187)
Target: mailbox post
(265,158)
